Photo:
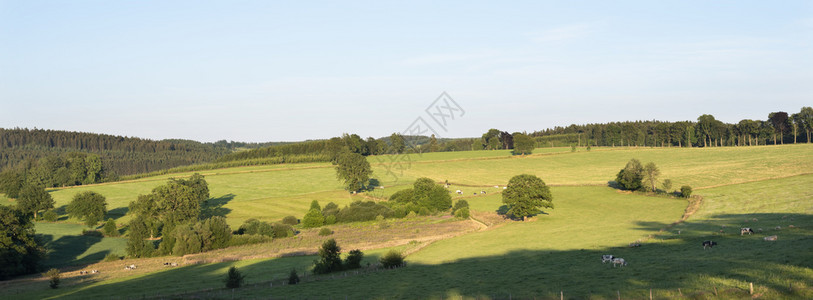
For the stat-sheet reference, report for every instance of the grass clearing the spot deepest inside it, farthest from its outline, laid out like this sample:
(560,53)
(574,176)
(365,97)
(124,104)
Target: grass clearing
(67,246)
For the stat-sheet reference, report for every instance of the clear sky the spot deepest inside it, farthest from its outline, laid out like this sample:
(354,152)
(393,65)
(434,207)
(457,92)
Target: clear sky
(294,70)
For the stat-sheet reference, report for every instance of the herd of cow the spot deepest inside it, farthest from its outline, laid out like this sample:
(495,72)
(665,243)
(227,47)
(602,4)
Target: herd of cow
(616,261)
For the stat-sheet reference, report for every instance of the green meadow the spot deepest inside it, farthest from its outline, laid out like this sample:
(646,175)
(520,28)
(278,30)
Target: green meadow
(554,253)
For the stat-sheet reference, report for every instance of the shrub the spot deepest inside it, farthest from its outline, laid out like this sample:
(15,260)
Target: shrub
(392,259)
(282,230)
(411,214)
(110,228)
(424,211)
(462,213)
(214,233)
(248,239)
(331,209)
(315,205)
(460,204)
(589,148)
(329,258)
(685,191)
(293,278)
(234,279)
(325,231)
(313,218)
(50,216)
(573,148)
(353,259)
(254,226)
(402,196)
(631,176)
(111,257)
(53,278)
(187,241)
(93,233)
(330,220)
(290,220)
(362,211)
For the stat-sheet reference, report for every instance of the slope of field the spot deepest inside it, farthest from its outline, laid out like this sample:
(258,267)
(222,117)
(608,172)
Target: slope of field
(67,246)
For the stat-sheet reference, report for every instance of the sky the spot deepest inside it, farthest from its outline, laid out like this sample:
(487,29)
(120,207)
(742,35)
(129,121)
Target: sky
(258,71)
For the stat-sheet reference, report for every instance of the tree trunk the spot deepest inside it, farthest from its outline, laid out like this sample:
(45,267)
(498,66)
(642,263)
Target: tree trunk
(774,139)
(808,135)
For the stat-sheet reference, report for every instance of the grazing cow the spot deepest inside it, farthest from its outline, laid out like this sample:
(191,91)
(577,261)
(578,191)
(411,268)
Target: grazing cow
(505,187)
(174,264)
(747,230)
(475,193)
(778,227)
(482,192)
(130,267)
(605,258)
(635,244)
(95,271)
(770,238)
(708,244)
(619,261)
(459,192)
(83,272)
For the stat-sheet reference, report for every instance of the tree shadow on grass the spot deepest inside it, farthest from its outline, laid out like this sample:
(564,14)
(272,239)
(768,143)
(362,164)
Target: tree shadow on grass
(117,212)
(665,263)
(214,206)
(67,249)
(503,211)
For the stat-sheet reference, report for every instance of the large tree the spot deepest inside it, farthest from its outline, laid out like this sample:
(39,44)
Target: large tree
(433,196)
(525,195)
(805,120)
(651,174)
(354,170)
(779,121)
(19,251)
(33,199)
(631,176)
(11,182)
(523,144)
(329,258)
(397,144)
(88,206)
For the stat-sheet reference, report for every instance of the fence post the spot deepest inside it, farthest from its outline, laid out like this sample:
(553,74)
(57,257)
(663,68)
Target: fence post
(650,294)
(715,290)
(680,293)
(752,287)
(561,295)
(618,293)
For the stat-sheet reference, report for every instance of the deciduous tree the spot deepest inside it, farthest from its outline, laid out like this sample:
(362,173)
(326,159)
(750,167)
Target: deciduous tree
(33,199)
(354,170)
(88,206)
(525,195)
(19,250)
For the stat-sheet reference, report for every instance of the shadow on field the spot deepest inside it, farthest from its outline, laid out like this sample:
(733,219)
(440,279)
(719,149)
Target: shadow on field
(70,247)
(665,263)
(117,212)
(214,206)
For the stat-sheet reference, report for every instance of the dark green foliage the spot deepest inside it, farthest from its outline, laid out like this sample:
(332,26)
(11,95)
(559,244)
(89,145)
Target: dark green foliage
(177,202)
(203,236)
(293,278)
(93,233)
(631,177)
(397,144)
(254,226)
(88,206)
(313,218)
(462,203)
(291,220)
(330,220)
(525,195)
(393,259)
(362,211)
(110,228)
(331,209)
(423,194)
(11,182)
(685,191)
(34,199)
(234,279)
(403,196)
(651,174)
(19,251)
(462,213)
(187,241)
(353,259)
(354,170)
(315,205)
(329,258)
(325,231)
(523,144)
(50,216)
(53,278)
(282,230)
(111,257)
(214,233)
(137,246)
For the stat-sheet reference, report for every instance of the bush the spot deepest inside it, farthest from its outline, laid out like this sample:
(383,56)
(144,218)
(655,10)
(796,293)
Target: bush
(353,260)
(424,211)
(50,216)
(330,260)
(290,220)
(214,233)
(392,259)
(254,226)
(248,239)
(234,279)
(313,218)
(330,220)
(325,231)
(462,213)
(402,196)
(589,148)
(293,278)
(573,148)
(282,230)
(362,211)
(53,278)
(110,228)
(631,176)
(331,209)
(460,204)
(93,233)
(685,191)
(111,257)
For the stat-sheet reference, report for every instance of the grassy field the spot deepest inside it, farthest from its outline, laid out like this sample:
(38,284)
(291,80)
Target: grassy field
(760,187)
(67,246)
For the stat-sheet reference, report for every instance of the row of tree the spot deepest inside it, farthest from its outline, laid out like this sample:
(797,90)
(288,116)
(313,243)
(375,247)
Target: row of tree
(75,168)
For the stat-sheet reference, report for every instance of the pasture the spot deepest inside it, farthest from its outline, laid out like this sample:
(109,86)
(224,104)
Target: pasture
(558,250)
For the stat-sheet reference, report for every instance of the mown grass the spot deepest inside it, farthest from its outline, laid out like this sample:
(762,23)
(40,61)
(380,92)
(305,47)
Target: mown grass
(67,246)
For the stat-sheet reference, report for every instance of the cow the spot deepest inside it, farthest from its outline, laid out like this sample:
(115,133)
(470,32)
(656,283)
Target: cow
(83,272)
(607,257)
(745,230)
(619,261)
(95,271)
(482,192)
(770,238)
(459,192)
(708,244)
(635,244)
(130,267)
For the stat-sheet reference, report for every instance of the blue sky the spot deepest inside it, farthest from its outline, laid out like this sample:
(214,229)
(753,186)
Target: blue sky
(273,71)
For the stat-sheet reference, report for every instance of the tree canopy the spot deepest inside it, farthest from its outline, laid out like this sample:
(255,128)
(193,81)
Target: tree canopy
(354,170)
(34,199)
(631,176)
(19,251)
(88,206)
(525,195)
